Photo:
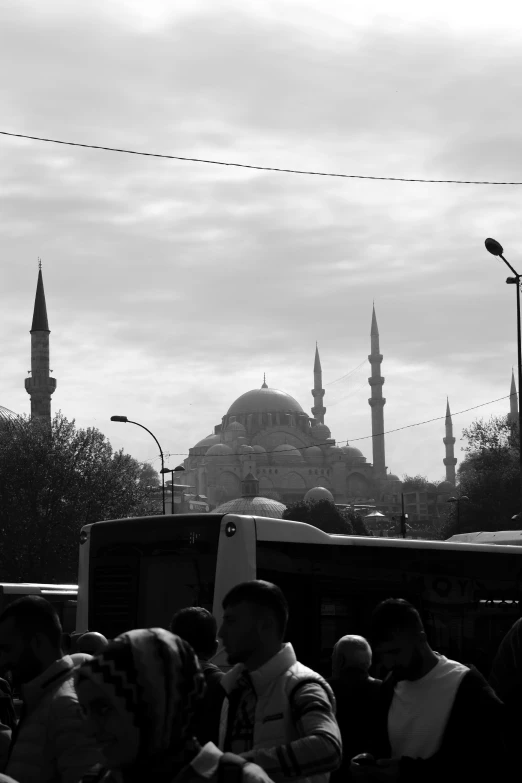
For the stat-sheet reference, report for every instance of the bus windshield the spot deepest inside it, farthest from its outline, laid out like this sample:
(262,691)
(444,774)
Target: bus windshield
(141,571)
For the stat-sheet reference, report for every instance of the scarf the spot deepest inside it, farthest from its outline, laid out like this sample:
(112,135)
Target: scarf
(154,676)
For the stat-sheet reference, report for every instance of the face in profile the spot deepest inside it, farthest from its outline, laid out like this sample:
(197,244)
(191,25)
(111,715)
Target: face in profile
(18,656)
(114,730)
(240,632)
(401,655)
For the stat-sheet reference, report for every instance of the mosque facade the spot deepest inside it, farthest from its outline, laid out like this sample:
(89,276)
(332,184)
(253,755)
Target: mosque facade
(268,435)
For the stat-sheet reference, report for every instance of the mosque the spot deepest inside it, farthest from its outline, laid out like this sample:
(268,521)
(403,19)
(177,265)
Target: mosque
(266,437)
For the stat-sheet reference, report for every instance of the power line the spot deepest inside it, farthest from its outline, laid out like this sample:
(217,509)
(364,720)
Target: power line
(348,373)
(254,167)
(353,440)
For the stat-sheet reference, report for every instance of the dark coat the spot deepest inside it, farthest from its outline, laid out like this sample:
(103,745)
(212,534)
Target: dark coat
(474,746)
(357,698)
(207,724)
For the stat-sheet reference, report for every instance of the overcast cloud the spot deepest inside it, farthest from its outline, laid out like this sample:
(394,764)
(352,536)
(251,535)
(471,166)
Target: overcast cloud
(172,286)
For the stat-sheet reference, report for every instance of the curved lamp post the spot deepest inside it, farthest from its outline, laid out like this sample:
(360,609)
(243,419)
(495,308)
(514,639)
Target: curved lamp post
(458,501)
(496,249)
(125,420)
(177,469)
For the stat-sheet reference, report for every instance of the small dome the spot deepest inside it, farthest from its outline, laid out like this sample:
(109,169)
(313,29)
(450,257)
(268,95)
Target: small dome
(352,453)
(335,453)
(252,506)
(260,455)
(246,449)
(264,400)
(445,488)
(313,454)
(259,449)
(7,415)
(219,450)
(287,453)
(235,426)
(392,477)
(321,432)
(319,493)
(209,441)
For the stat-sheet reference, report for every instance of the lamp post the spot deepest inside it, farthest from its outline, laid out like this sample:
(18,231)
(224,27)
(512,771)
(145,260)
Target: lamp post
(125,420)
(458,501)
(496,249)
(177,469)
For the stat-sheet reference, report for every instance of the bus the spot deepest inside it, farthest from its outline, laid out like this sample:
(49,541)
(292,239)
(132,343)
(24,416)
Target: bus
(137,572)
(511,537)
(62,597)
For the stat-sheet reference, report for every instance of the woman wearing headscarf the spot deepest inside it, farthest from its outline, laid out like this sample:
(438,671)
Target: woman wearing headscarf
(140,697)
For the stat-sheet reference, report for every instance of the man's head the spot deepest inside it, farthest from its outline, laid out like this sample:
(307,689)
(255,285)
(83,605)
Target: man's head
(92,643)
(351,652)
(198,627)
(30,638)
(255,615)
(398,638)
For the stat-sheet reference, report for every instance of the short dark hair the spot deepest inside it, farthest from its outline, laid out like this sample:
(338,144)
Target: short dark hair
(198,627)
(32,614)
(262,594)
(393,616)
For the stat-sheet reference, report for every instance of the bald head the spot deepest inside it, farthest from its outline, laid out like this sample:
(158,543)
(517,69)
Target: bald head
(351,652)
(92,643)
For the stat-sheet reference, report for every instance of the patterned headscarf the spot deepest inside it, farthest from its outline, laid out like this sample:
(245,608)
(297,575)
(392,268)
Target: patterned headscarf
(156,677)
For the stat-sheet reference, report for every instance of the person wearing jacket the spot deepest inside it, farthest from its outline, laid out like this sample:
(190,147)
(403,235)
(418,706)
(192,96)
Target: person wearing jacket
(49,744)
(141,696)
(279,713)
(437,720)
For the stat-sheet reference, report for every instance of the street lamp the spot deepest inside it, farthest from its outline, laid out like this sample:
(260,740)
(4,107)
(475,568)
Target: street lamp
(177,469)
(125,420)
(496,249)
(458,501)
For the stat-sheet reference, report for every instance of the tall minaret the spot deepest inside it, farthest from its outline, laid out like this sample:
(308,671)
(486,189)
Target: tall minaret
(513,402)
(318,410)
(449,441)
(40,385)
(377,402)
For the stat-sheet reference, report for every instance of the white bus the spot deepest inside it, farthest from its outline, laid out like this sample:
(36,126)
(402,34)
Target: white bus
(138,572)
(510,537)
(62,597)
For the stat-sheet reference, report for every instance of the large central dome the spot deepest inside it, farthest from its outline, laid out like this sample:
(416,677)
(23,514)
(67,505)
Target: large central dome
(264,400)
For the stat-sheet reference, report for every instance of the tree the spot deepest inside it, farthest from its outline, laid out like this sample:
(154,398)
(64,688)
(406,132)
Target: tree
(320,513)
(148,476)
(489,476)
(356,521)
(414,483)
(53,480)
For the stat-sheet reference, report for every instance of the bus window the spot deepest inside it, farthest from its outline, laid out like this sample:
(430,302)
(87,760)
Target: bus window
(143,570)
(332,591)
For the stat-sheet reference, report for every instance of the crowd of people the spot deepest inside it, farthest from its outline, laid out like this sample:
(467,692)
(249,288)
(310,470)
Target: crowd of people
(151,707)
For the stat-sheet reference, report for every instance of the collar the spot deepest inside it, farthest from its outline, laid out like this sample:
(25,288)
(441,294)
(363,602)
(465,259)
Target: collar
(56,673)
(266,673)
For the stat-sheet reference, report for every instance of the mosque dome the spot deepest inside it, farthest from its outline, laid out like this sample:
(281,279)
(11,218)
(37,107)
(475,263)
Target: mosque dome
(219,450)
(351,453)
(319,493)
(313,454)
(264,400)
(7,415)
(287,453)
(246,449)
(445,488)
(252,506)
(260,454)
(209,441)
(235,426)
(335,453)
(321,432)
(392,477)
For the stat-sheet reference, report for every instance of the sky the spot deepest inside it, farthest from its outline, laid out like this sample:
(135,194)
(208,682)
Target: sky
(172,286)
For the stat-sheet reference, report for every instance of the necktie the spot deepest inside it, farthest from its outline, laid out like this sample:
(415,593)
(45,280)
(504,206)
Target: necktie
(242,735)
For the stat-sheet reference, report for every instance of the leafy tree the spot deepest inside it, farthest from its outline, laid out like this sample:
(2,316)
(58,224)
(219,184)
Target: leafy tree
(414,483)
(320,513)
(356,521)
(54,480)
(149,477)
(490,477)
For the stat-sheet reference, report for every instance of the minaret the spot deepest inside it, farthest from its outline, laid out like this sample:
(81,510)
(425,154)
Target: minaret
(40,385)
(513,402)
(449,441)
(377,402)
(318,410)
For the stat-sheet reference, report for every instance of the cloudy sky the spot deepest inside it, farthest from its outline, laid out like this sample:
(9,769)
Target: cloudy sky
(172,286)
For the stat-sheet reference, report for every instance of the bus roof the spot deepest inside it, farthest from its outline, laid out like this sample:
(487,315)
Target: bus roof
(506,537)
